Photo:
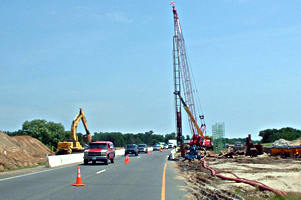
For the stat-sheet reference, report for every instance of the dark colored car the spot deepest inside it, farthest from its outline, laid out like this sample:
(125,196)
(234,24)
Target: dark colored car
(100,151)
(131,149)
(142,148)
(237,144)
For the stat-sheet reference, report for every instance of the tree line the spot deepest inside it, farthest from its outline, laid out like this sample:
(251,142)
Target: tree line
(120,140)
(270,135)
(50,133)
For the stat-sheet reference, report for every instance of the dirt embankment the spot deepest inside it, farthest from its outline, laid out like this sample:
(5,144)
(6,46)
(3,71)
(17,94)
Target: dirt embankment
(21,151)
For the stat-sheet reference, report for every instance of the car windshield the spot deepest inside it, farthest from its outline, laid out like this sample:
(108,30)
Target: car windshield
(142,145)
(98,146)
(130,146)
(157,145)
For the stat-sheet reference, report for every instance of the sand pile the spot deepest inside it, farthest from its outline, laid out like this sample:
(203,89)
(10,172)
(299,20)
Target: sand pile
(21,151)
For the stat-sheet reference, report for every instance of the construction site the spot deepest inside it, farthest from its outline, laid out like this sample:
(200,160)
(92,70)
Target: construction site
(210,168)
(248,171)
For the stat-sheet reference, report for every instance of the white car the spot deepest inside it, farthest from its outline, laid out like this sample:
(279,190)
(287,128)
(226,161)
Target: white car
(142,148)
(156,147)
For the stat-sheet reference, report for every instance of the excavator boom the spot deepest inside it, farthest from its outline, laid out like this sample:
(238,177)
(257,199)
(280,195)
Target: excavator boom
(190,116)
(73,144)
(76,120)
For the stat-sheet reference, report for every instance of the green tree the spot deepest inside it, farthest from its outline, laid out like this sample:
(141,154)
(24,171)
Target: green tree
(170,136)
(288,133)
(49,133)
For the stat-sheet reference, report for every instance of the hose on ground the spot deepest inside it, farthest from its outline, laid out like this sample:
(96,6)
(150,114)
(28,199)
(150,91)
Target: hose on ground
(242,180)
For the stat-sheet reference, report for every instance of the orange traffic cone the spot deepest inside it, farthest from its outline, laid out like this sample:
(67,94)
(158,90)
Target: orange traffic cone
(148,153)
(78,178)
(127,159)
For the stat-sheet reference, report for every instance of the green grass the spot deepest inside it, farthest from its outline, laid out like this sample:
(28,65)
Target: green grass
(290,196)
(27,167)
(253,196)
(267,144)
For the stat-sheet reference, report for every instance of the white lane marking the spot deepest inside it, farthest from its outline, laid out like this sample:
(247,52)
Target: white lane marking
(100,171)
(29,174)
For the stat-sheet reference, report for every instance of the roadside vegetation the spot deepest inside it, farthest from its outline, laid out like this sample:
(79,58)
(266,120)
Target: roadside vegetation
(290,196)
(257,194)
(50,133)
(120,140)
(270,135)
(25,167)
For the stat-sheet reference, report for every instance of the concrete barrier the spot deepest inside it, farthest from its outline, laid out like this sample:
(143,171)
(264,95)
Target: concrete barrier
(59,160)
(119,152)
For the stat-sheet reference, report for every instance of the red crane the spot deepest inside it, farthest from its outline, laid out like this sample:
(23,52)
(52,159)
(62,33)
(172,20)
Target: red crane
(182,80)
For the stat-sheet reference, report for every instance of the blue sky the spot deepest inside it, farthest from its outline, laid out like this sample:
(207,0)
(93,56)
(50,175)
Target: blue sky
(114,59)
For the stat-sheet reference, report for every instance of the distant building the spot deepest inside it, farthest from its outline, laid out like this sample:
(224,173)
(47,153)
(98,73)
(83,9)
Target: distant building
(186,141)
(218,130)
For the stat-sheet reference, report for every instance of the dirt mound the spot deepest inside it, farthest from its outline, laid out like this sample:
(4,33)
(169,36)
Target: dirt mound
(296,142)
(21,151)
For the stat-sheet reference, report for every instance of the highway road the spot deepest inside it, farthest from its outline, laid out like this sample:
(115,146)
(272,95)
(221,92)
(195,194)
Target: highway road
(140,179)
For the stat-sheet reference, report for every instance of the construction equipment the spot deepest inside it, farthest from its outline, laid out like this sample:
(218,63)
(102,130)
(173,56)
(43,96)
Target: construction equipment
(197,139)
(73,145)
(182,81)
(251,149)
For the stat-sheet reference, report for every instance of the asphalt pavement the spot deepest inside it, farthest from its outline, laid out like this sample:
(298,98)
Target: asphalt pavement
(140,179)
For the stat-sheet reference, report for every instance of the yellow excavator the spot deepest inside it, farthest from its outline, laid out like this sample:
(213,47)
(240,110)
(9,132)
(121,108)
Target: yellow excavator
(73,145)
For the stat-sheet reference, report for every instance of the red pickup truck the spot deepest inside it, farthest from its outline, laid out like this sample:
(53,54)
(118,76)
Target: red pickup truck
(100,151)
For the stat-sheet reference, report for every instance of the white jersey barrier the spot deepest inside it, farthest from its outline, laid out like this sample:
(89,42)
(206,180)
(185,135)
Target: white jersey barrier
(59,160)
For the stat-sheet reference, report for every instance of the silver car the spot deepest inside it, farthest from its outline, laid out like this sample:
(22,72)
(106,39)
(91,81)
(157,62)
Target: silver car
(142,148)
(156,147)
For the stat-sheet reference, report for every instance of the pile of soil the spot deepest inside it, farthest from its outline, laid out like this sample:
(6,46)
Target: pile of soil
(21,151)
(296,142)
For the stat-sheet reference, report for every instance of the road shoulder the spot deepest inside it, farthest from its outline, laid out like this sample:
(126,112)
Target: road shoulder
(175,184)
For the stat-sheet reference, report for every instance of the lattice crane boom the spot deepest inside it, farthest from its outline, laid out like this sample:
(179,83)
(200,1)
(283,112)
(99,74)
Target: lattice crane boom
(182,73)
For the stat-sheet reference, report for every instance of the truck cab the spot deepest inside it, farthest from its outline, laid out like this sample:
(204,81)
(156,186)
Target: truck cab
(103,151)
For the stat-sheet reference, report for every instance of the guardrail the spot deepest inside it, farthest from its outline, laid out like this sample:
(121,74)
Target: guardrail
(59,160)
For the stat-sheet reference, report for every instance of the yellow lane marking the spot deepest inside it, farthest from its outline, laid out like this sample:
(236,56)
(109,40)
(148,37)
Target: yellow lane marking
(163,182)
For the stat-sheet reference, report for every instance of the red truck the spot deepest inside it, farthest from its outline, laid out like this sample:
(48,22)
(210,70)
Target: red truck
(100,151)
